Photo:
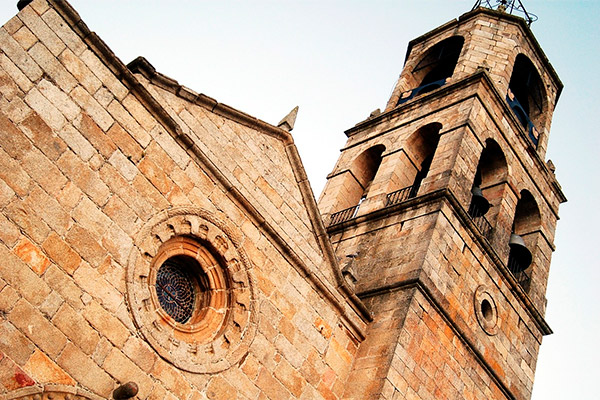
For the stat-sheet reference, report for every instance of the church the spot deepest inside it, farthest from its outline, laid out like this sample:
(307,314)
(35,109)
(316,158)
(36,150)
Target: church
(158,244)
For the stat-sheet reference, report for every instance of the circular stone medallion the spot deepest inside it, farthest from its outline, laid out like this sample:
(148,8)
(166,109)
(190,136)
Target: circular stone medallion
(190,290)
(486,310)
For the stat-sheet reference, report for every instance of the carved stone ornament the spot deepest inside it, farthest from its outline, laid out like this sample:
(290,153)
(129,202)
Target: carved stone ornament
(486,310)
(221,325)
(50,392)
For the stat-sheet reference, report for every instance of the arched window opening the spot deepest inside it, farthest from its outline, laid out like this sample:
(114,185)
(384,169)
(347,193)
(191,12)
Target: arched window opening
(526,96)
(491,170)
(365,168)
(363,172)
(415,163)
(527,220)
(435,67)
(423,144)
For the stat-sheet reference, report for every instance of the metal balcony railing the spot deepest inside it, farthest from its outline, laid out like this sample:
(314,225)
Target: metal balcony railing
(344,215)
(484,226)
(523,117)
(410,94)
(401,195)
(480,221)
(523,276)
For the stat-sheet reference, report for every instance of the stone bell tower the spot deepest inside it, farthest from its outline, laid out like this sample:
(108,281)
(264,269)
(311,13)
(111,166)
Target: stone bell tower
(442,212)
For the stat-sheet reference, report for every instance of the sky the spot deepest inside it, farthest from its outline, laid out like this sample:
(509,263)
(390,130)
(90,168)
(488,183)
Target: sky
(338,61)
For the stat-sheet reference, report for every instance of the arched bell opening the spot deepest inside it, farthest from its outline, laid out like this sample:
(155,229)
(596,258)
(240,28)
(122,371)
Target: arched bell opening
(487,189)
(413,163)
(527,97)
(434,69)
(526,223)
(365,168)
(357,183)
(423,145)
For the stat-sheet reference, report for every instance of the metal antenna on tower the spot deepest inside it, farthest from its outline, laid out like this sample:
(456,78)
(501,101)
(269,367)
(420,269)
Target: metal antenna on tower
(509,6)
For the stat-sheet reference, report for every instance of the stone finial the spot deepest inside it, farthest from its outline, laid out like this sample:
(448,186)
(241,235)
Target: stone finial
(551,166)
(287,123)
(375,113)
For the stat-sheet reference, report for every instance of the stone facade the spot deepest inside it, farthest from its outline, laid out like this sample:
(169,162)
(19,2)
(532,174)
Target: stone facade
(108,172)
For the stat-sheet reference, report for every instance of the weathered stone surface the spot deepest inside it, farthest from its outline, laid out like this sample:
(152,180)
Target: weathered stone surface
(93,154)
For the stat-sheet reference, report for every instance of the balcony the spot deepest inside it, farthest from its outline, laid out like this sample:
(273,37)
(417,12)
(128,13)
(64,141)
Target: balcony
(401,195)
(343,216)
(410,94)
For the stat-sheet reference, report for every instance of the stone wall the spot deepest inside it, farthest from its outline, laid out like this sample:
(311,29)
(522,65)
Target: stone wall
(99,168)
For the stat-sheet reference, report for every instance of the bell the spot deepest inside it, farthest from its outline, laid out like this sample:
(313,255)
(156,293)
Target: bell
(519,253)
(479,204)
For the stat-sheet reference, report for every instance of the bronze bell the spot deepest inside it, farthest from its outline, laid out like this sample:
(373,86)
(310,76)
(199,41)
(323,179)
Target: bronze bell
(479,204)
(519,253)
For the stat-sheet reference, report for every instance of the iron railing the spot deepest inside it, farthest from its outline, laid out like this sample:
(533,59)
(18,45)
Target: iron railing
(480,221)
(344,215)
(410,94)
(484,226)
(401,195)
(523,117)
(509,6)
(523,276)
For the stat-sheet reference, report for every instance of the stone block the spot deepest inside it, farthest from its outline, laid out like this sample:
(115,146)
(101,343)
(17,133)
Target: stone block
(125,167)
(43,171)
(43,370)
(92,108)
(63,31)
(9,233)
(81,367)
(22,278)
(140,353)
(128,146)
(106,325)
(32,255)
(17,55)
(52,67)
(90,217)
(13,343)
(95,135)
(13,175)
(104,74)
(43,137)
(33,21)
(49,210)
(86,179)
(124,370)
(80,71)
(12,377)
(76,328)
(37,328)
(90,280)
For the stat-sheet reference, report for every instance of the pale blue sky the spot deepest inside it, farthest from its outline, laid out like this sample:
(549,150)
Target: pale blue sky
(338,61)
